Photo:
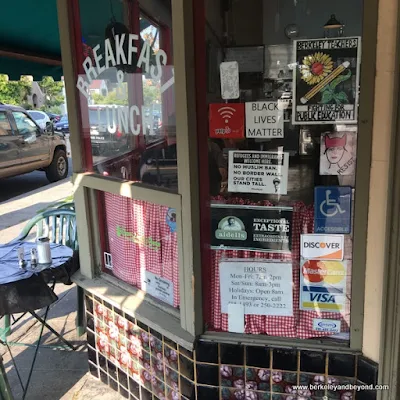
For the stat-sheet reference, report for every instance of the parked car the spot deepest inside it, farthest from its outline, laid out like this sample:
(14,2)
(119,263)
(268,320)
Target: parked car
(54,117)
(62,125)
(26,147)
(40,117)
(103,141)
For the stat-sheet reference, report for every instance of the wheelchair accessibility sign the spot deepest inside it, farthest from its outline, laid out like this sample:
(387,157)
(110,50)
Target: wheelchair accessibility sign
(332,207)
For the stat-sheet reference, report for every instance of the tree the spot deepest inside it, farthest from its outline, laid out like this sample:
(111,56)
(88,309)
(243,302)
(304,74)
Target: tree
(14,92)
(151,94)
(53,92)
(111,98)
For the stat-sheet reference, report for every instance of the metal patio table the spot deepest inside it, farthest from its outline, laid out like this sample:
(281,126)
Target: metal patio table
(24,290)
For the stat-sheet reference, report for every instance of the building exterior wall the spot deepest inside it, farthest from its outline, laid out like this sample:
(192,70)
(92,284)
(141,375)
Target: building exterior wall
(140,363)
(385,105)
(220,368)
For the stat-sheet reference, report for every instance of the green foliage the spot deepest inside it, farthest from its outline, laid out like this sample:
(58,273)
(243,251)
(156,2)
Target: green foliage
(14,92)
(111,98)
(53,93)
(151,94)
(329,93)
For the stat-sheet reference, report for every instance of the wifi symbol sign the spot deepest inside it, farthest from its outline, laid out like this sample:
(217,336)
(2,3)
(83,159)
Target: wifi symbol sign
(226,113)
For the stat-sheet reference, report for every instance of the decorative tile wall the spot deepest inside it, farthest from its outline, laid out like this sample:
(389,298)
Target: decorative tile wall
(142,364)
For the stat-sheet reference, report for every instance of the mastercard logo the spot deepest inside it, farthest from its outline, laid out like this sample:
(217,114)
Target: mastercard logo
(332,272)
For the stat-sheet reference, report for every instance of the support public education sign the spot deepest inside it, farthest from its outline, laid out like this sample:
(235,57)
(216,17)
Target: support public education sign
(326,81)
(251,228)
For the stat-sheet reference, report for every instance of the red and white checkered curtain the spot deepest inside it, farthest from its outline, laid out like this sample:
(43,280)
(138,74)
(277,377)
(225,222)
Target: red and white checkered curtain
(300,325)
(147,221)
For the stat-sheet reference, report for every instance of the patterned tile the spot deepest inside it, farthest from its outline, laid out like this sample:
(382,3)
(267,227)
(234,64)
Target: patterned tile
(232,376)
(142,364)
(258,379)
(171,357)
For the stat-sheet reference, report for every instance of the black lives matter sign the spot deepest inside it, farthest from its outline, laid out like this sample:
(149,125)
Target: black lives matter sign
(326,81)
(264,120)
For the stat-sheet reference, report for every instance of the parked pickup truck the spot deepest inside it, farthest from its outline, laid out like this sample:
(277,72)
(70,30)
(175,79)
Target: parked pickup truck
(25,147)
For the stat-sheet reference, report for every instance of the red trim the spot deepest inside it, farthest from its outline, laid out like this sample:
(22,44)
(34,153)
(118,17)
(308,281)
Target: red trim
(83,113)
(199,22)
(167,98)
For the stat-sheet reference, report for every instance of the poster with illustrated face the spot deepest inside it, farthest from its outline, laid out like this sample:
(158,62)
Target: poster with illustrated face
(338,153)
(326,81)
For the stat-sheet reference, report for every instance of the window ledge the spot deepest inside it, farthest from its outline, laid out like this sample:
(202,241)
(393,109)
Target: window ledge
(137,307)
(265,340)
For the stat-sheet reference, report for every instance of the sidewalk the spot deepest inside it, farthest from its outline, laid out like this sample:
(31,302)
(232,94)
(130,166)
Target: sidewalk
(59,373)
(14,213)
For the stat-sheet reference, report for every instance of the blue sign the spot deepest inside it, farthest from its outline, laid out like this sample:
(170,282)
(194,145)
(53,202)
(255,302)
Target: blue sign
(332,209)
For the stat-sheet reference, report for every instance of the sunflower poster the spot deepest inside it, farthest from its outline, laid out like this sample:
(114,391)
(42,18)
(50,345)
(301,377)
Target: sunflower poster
(326,81)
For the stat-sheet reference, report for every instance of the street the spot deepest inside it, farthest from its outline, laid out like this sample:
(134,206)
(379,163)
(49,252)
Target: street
(12,187)
(17,185)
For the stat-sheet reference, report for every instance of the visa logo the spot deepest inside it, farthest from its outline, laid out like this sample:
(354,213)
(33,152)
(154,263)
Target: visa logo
(323,297)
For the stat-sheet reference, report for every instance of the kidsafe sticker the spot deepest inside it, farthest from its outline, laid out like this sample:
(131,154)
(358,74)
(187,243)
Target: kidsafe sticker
(226,121)
(332,209)
(171,219)
(322,247)
(326,325)
(323,286)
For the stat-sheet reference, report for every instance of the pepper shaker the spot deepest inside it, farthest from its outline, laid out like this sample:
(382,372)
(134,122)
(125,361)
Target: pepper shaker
(33,258)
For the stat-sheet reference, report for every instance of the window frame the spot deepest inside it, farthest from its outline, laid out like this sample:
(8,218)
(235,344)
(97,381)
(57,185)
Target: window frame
(87,183)
(188,81)
(360,204)
(38,129)
(6,114)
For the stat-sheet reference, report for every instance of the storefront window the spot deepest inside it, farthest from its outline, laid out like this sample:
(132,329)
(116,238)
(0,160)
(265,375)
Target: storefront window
(141,246)
(282,101)
(127,92)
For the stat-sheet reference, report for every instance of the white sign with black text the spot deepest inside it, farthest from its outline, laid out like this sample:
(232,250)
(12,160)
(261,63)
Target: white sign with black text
(157,286)
(258,172)
(262,288)
(264,120)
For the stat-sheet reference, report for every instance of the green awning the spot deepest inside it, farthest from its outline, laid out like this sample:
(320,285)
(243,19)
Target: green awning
(31,28)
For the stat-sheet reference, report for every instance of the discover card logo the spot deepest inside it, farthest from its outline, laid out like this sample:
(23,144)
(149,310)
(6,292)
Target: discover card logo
(322,247)
(231,228)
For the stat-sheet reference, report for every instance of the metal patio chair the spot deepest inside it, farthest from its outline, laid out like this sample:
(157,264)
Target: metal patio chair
(60,227)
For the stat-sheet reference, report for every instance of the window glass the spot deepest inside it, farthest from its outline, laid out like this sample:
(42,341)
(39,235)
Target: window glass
(64,119)
(36,115)
(5,127)
(24,124)
(282,96)
(141,246)
(127,87)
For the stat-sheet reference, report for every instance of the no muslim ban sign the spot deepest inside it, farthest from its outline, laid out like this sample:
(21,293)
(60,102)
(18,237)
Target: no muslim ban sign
(264,120)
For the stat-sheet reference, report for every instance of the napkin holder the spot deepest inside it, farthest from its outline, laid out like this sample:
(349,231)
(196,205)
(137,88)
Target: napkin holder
(43,250)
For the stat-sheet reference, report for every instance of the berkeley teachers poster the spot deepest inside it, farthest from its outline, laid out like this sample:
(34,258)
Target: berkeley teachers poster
(326,81)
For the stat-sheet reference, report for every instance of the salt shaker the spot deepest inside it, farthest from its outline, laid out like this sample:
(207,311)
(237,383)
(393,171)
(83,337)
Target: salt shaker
(21,257)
